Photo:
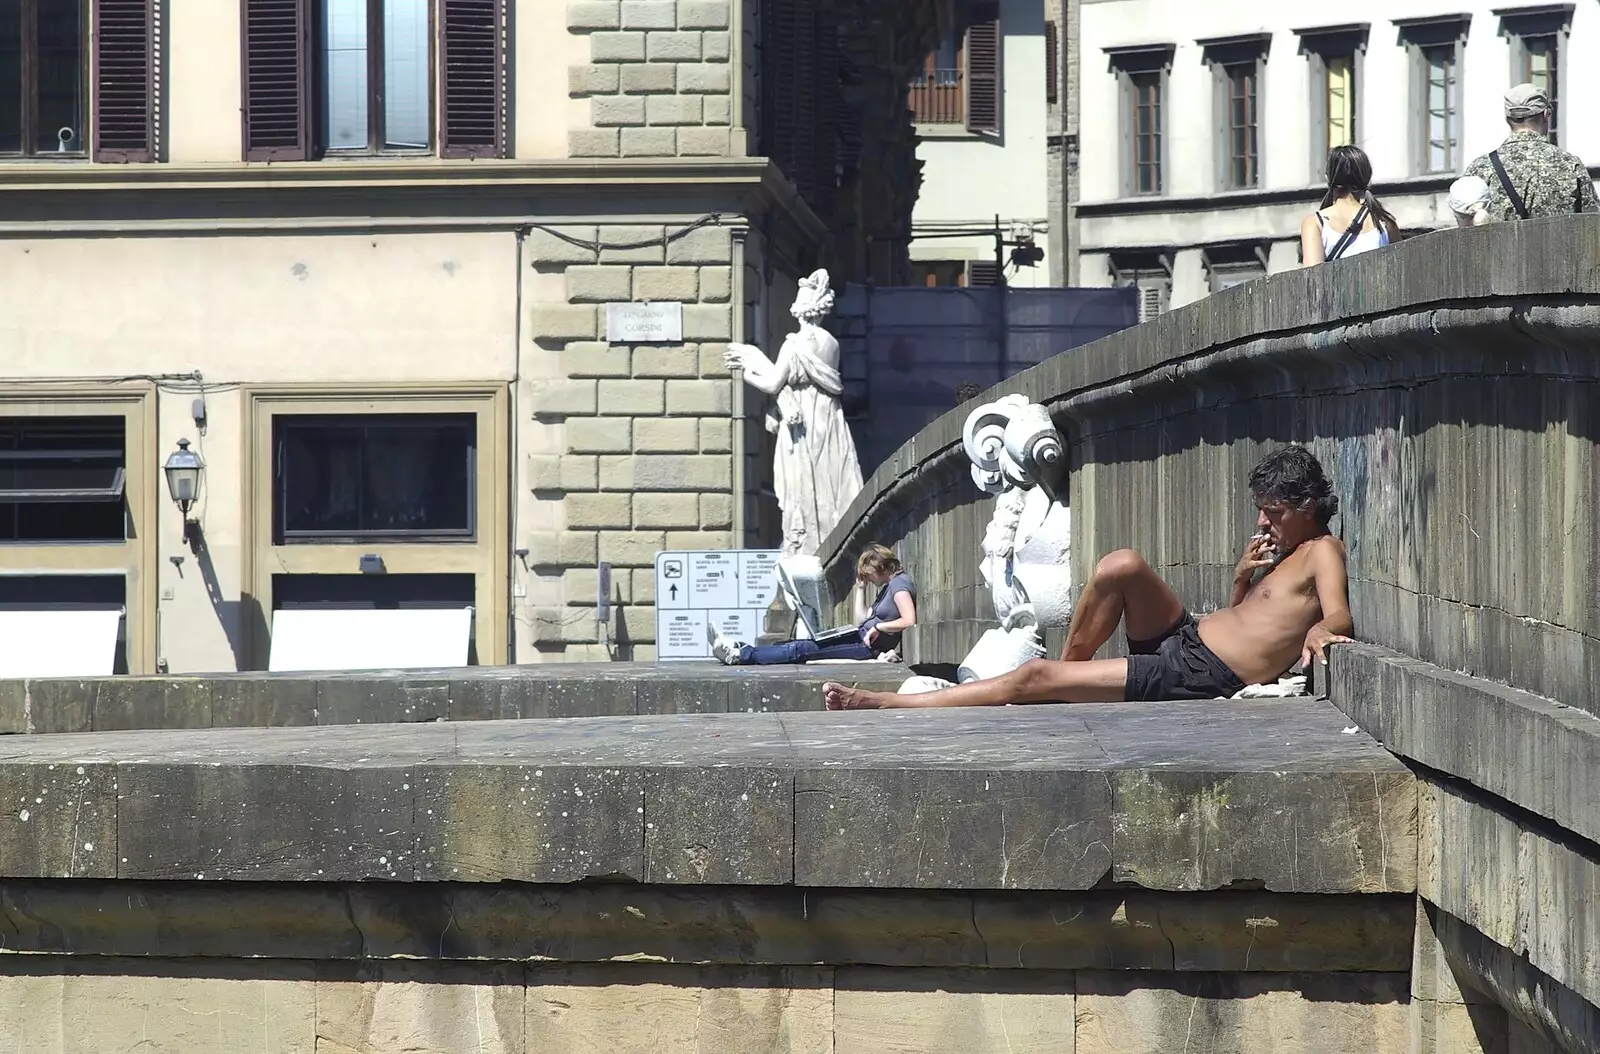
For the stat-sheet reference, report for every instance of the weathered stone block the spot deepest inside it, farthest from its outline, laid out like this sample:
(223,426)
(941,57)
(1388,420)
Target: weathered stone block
(1134,1012)
(631,548)
(692,472)
(419,1006)
(703,245)
(678,696)
(707,322)
(632,397)
(56,1005)
(580,472)
(714,357)
(262,703)
(665,510)
(576,547)
(672,109)
(582,1009)
(952,1011)
(644,591)
(593,142)
(582,587)
(265,822)
(716,435)
(154,703)
(58,821)
(592,79)
(561,398)
(593,14)
(599,510)
(703,142)
(636,622)
(649,14)
(716,284)
(665,435)
(650,78)
(716,511)
(726,826)
(703,398)
(599,284)
(617,47)
(665,283)
(718,110)
(697,540)
(649,142)
(563,322)
(645,245)
(595,358)
(703,78)
(611,110)
(546,248)
(528,823)
(666,362)
(599,435)
(673,47)
(714,47)
(702,14)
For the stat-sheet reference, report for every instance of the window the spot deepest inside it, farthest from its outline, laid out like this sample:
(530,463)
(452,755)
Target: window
(1237,64)
(934,273)
(1231,265)
(1333,55)
(1052,63)
(1441,127)
(62,479)
(1537,36)
(1243,160)
(959,83)
(1146,113)
(1435,47)
(45,79)
(358,77)
(406,476)
(1150,275)
(1141,72)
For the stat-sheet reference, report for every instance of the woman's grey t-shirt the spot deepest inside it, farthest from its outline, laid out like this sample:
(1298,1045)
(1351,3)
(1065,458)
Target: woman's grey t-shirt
(884,609)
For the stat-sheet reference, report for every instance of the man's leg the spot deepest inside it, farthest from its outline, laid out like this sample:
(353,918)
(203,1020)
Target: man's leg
(1122,589)
(1035,681)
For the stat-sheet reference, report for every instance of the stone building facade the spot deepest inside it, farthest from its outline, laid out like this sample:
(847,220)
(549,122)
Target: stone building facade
(390,350)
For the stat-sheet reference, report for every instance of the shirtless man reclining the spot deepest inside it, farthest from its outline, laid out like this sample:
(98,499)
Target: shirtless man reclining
(1297,609)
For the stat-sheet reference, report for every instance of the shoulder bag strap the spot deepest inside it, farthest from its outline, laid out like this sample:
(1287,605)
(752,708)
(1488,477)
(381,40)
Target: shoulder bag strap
(1505,182)
(1350,233)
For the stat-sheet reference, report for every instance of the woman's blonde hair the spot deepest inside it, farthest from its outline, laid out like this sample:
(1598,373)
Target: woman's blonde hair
(876,559)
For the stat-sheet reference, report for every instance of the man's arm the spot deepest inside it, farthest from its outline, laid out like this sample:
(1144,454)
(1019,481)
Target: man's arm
(1586,202)
(1333,596)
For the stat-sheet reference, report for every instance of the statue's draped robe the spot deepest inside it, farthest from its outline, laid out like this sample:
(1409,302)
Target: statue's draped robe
(815,471)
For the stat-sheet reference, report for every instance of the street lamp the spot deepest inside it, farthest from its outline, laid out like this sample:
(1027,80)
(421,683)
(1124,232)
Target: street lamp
(183,469)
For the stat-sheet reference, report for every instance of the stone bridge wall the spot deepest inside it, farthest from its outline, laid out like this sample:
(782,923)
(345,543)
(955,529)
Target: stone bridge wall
(1451,387)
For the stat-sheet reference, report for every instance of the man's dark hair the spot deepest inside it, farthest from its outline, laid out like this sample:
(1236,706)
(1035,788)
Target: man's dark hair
(1294,477)
(967,390)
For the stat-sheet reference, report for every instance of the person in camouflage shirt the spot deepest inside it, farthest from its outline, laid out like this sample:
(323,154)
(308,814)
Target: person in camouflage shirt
(1550,181)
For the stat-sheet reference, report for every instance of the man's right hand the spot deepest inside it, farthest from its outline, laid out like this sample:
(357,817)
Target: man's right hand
(1256,556)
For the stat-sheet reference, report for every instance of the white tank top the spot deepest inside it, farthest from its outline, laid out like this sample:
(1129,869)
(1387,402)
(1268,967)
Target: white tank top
(1366,241)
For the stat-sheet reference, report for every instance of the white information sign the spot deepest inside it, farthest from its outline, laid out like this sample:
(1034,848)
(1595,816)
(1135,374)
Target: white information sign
(644,323)
(730,589)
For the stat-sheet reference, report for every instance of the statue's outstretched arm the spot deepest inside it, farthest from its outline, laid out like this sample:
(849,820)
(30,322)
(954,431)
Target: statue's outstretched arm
(760,372)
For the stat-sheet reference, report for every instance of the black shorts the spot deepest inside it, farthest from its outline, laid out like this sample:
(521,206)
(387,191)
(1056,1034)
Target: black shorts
(1176,665)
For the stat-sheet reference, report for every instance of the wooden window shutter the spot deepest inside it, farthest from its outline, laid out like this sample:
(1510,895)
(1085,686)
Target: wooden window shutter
(1051,62)
(983,69)
(983,272)
(124,80)
(277,124)
(472,62)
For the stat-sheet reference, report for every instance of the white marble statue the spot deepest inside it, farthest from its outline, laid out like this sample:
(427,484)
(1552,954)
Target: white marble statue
(815,471)
(1017,455)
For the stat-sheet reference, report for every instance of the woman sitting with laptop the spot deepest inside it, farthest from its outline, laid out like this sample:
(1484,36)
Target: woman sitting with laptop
(892,613)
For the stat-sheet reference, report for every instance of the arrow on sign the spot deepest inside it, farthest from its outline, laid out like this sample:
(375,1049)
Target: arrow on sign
(674,592)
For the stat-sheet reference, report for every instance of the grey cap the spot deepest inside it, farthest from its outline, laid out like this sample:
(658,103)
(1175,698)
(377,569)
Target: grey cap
(1525,101)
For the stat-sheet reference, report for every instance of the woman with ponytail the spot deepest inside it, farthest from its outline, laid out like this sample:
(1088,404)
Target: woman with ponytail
(1350,219)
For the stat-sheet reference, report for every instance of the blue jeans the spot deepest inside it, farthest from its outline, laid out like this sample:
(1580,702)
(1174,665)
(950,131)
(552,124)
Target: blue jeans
(794,651)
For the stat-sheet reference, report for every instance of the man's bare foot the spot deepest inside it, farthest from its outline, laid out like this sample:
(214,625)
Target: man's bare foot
(839,697)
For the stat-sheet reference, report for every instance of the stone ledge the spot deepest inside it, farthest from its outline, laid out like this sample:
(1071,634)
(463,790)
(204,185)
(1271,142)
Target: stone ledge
(1176,796)
(1531,751)
(612,922)
(474,693)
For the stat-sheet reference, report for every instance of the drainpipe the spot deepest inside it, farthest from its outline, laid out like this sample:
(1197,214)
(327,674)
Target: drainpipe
(740,316)
(515,432)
